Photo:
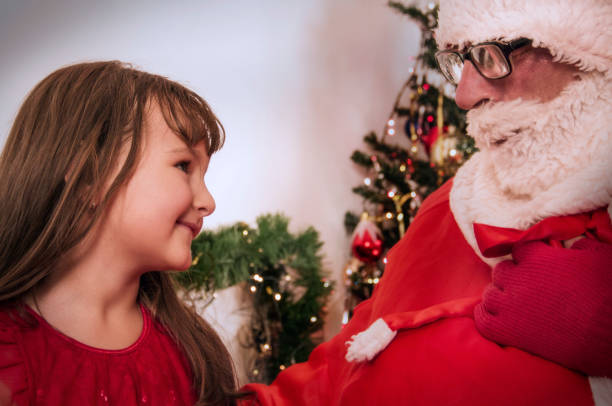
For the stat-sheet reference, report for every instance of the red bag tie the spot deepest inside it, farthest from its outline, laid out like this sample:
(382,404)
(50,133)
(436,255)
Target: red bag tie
(498,241)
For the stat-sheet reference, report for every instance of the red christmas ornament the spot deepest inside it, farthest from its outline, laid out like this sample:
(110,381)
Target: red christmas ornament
(431,137)
(367,241)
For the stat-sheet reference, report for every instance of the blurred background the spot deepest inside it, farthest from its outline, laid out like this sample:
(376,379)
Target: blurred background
(295,83)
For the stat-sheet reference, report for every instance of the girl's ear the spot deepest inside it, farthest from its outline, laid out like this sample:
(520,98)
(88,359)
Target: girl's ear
(85,193)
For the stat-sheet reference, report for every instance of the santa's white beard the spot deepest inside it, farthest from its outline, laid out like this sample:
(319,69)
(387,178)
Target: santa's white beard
(537,160)
(530,146)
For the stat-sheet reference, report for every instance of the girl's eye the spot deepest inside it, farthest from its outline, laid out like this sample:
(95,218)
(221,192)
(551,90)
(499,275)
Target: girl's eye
(183,166)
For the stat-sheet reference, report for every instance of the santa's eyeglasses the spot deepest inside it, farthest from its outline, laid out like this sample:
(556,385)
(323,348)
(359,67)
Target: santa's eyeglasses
(489,58)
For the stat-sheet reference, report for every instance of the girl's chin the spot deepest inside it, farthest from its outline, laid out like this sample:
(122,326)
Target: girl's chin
(185,265)
(179,263)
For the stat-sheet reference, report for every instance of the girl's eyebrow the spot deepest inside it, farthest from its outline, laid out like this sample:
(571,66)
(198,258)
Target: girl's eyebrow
(184,149)
(180,150)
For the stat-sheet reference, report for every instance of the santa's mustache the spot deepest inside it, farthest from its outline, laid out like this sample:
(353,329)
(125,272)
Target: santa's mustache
(495,123)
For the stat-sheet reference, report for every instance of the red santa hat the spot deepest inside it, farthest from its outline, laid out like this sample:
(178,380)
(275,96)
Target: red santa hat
(574,31)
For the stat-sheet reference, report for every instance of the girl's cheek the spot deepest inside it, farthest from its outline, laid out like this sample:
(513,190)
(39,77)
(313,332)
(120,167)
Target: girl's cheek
(185,195)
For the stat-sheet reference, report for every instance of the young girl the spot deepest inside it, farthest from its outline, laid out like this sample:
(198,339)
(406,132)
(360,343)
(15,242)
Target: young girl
(101,190)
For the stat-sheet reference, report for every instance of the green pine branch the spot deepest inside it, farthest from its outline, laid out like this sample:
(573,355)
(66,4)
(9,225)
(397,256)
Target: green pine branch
(284,275)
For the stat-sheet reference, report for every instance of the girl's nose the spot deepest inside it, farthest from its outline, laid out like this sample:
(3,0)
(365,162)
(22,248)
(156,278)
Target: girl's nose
(203,200)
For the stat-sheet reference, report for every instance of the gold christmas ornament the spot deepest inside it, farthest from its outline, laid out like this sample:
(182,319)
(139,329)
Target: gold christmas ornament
(445,150)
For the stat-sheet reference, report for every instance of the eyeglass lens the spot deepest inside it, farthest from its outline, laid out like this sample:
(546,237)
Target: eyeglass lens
(452,66)
(489,60)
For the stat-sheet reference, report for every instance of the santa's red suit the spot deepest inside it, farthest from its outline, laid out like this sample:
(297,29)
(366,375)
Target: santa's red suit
(431,352)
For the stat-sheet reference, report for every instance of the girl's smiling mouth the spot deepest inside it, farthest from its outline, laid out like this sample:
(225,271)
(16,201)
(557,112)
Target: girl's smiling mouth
(194,227)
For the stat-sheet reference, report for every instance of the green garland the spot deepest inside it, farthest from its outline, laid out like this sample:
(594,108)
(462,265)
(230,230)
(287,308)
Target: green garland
(284,277)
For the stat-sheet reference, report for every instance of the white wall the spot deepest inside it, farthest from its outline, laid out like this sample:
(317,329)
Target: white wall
(296,84)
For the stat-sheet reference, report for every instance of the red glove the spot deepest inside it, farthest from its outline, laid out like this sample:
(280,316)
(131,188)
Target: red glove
(555,303)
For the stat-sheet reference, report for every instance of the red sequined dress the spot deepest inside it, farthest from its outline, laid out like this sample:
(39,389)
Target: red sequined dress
(41,366)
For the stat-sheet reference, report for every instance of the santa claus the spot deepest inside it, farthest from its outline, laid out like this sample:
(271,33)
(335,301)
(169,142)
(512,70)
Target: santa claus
(500,293)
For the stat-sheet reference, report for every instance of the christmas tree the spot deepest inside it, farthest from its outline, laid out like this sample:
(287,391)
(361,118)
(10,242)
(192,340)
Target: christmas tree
(283,278)
(422,144)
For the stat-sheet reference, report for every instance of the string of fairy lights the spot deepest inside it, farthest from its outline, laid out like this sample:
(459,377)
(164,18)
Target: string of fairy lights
(276,286)
(407,167)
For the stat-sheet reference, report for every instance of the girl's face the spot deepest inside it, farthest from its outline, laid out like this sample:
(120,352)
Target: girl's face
(156,214)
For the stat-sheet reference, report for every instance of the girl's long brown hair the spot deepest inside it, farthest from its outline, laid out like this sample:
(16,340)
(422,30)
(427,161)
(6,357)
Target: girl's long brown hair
(58,160)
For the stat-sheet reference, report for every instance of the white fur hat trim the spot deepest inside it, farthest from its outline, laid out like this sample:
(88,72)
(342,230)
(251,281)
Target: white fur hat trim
(575,31)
